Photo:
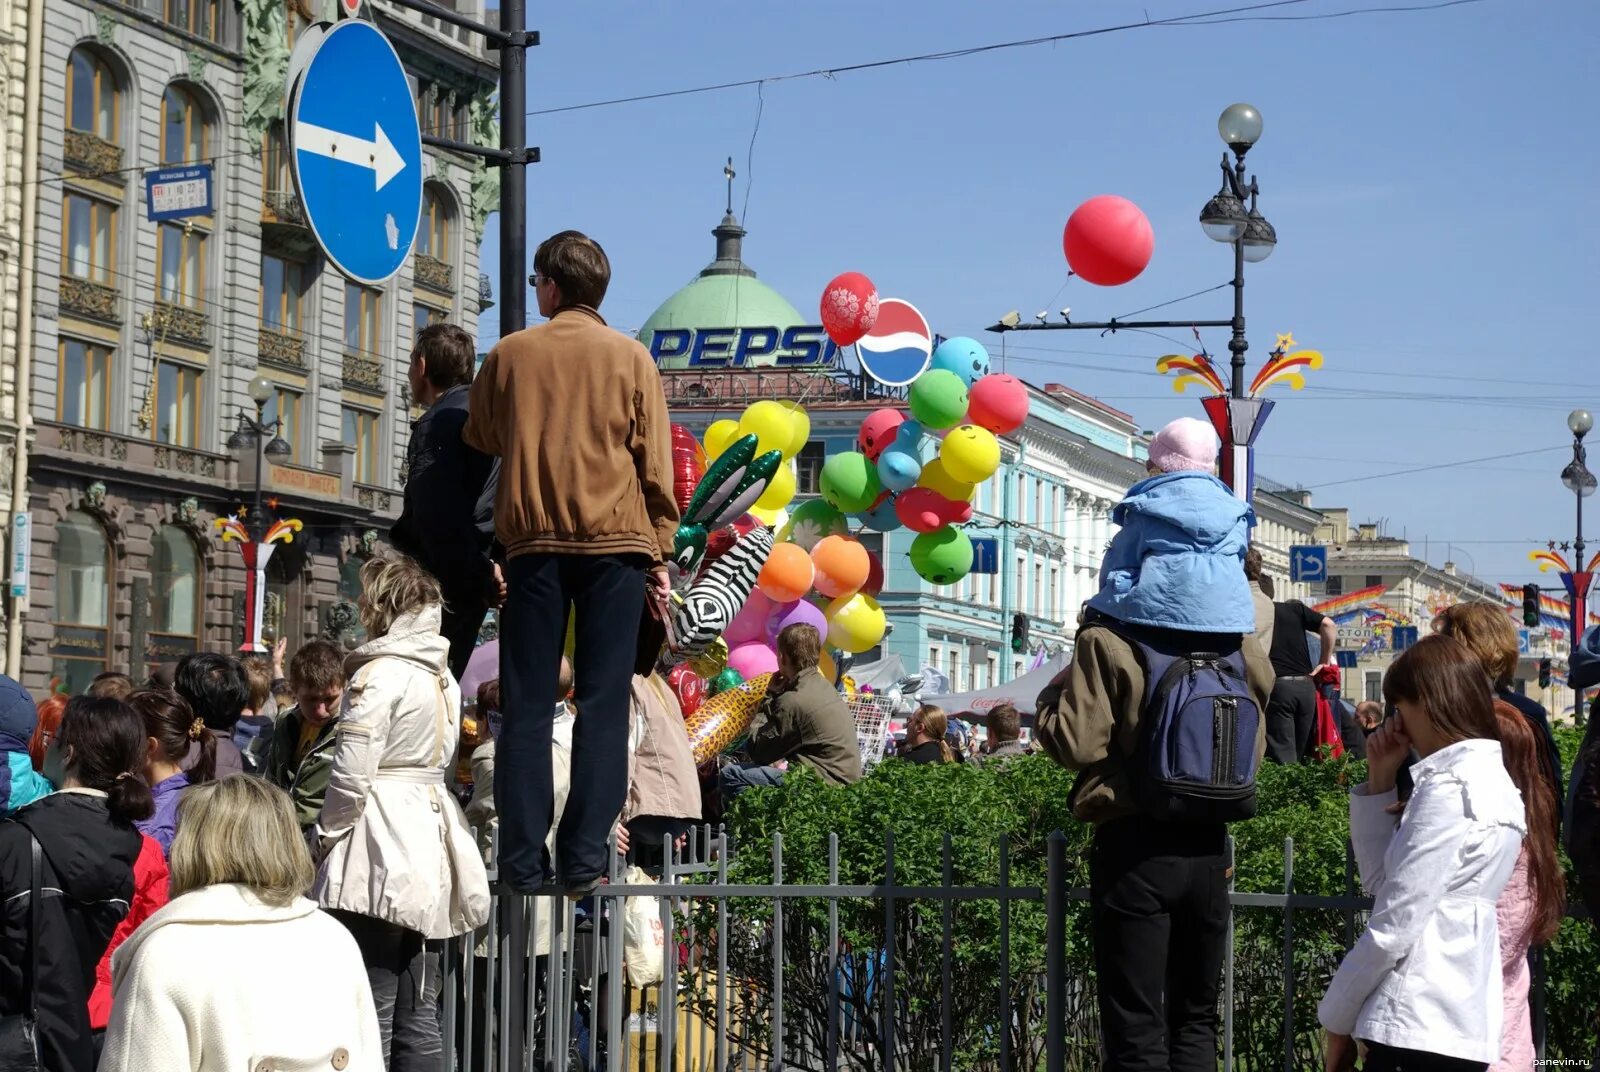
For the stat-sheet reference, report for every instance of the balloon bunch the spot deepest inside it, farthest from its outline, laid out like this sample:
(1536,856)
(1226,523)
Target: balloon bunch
(780,427)
(899,477)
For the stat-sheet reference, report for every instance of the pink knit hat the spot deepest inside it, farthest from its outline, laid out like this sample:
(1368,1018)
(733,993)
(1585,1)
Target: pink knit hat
(1187,444)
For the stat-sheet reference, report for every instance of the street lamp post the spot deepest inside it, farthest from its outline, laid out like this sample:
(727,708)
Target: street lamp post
(1581,482)
(254,433)
(1233,218)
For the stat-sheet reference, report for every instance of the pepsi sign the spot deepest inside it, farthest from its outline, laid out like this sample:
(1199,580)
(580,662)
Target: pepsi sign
(795,347)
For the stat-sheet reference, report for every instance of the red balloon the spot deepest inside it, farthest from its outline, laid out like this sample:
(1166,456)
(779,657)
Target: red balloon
(690,688)
(1108,241)
(874,583)
(720,541)
(849,307)
(688,465)
(998,402)
(925,510)
(877,431)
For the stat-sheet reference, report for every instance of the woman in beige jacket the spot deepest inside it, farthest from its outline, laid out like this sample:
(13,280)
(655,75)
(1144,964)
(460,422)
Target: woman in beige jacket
(398,864)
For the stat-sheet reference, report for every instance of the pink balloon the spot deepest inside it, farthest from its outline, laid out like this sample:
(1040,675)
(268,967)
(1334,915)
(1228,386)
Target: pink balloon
(753,658)
(1108,241)
(925,510)
(849,307)
(750,624)
(800,612)
(998,402)
(877,431)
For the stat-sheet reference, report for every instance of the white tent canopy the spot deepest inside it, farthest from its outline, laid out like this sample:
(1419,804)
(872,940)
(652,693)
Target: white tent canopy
(1020,692)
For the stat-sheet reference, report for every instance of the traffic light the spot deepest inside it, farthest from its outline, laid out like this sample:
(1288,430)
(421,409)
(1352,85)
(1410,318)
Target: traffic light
(1544,673)
(1019,633)
(1530,606)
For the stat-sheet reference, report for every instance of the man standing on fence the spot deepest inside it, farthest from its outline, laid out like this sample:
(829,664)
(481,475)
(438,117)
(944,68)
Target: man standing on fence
(1158,865)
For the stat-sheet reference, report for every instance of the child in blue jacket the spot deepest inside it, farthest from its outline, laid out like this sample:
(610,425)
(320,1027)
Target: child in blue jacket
(1178,560)
(20,784)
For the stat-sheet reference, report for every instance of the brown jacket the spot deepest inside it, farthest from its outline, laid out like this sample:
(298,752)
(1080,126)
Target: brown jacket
(808,723)
(1088,718)
(576,414)
(662,779)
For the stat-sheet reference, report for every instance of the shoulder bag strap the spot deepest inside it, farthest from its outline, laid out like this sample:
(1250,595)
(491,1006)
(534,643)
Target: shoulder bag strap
(37,866)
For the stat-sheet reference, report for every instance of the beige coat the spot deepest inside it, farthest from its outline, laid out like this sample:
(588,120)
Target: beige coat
(662,779)
(393,841)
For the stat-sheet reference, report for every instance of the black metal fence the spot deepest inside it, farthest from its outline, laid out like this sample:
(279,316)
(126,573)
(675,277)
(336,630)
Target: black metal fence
(774,975)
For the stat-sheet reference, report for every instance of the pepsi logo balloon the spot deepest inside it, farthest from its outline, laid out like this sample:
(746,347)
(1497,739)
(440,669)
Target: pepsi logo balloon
(963,356)
(1108,241)
(849,307)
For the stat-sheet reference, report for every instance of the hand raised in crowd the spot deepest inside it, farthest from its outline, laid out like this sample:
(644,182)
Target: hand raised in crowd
(1387,749)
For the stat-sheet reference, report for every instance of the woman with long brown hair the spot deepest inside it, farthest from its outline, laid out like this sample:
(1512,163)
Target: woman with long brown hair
(1421,987)
(1531,906)
(925,731)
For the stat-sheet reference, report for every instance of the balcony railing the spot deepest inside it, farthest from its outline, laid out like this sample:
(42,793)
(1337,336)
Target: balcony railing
(283,207)
(712,388)
(282,348)
(91,157)
(433,273)
(184,325)
(92,301)
(362,373)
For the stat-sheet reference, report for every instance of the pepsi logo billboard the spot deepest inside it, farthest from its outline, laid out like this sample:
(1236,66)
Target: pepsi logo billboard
(754,347)
(899,347)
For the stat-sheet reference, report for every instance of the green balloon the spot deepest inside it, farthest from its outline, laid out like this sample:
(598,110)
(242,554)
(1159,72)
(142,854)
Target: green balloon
(943,556)
(850,482)
(939,399)
(810,522)
(728,678)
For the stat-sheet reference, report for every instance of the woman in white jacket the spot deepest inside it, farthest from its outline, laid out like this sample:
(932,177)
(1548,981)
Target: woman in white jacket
(1421,988)
(399,866)
(216,980)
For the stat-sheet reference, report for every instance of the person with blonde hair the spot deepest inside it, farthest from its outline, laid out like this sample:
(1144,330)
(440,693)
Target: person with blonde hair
(239,865)
(925,741)
(399,866)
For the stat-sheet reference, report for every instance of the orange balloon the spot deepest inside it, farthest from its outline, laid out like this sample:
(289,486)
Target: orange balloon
(842,566)
(787,574)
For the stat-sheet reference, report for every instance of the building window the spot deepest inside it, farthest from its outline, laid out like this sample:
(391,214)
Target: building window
(203,18)
(433,236)
(178,404)
(282,294)
(183,265)
(1374,686)
(361,432)
(1055,591)
(992,674)
(83,384)
(91,96)
(1373,580)
(933,656)
(424,315)
(1022,497)
(183,126)
(808,468)
(175,584)
(285,406)
(361,306)
(1038,503)
(1055,509)
(83,599)
(1335,586)
(275,176)
(89,247)
(1038,589)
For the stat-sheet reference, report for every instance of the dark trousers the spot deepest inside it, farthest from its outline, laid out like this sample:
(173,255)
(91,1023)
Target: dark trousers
(606,593)
(1158,910)
(405,972)
(460,628)
(737,777)
(1291,719)
(1382,1058)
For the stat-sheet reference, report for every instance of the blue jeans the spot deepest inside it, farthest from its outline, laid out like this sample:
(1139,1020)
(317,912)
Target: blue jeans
(737,777)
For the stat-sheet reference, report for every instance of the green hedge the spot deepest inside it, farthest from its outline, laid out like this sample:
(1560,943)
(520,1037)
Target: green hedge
(1026,800)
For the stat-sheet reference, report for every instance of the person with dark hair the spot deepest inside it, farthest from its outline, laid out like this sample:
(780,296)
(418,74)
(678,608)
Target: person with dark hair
(1422,986)
(20,783)
(447,522)
(576,413)
(1292,711)
(301,760)
(1260,596)
(162,677)
(172,729)
(217,691)
(1004,742)
(111,685)
(80,845)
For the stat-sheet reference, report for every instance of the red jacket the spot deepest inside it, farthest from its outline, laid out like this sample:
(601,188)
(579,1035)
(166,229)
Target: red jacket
(150,882)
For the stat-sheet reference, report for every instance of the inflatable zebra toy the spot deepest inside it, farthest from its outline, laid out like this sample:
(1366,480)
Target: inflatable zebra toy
(730,487)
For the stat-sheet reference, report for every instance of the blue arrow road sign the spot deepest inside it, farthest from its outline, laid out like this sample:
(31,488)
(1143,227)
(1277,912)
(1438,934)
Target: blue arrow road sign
(357,152)
(985,555)
(1308,564)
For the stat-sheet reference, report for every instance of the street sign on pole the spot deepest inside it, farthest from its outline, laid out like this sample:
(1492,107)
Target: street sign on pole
(21,553)
(175,192)
(985,555)
(1308,564)
(356,151)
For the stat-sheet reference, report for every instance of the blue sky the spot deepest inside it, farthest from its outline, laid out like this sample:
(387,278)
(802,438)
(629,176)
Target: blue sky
(1431,175)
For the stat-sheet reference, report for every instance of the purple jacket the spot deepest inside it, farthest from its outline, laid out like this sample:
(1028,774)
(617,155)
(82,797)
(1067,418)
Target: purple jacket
(163,822)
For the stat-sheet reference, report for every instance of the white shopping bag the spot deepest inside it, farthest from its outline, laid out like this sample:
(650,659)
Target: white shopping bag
(644,942)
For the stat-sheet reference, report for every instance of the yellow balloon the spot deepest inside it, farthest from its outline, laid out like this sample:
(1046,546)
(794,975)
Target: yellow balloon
(720,436)
(800,423)
(829,668)
(855,623)
(970,453)
(781,489)
(937,477)
(774,519)
(770,422)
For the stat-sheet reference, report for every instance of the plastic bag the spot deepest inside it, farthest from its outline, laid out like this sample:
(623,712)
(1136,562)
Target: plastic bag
(644,944)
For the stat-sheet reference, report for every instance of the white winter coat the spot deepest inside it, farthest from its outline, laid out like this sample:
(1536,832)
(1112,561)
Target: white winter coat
(394,843)
(217,981)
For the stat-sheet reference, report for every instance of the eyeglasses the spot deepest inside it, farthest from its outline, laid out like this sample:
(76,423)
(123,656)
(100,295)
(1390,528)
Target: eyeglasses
(538,280)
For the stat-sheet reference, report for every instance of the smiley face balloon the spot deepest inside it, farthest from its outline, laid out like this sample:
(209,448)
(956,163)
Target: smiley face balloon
(963,356)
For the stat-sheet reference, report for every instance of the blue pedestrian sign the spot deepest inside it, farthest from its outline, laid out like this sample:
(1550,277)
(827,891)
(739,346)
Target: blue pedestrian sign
(1308,564)
(985,555)
(356,151)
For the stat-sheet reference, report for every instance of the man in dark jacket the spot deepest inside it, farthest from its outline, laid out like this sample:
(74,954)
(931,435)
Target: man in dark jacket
(447,523)
(802,720)
(301,760)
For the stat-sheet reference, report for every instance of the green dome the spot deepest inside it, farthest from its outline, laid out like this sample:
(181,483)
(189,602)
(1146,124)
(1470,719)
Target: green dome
(726,294)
